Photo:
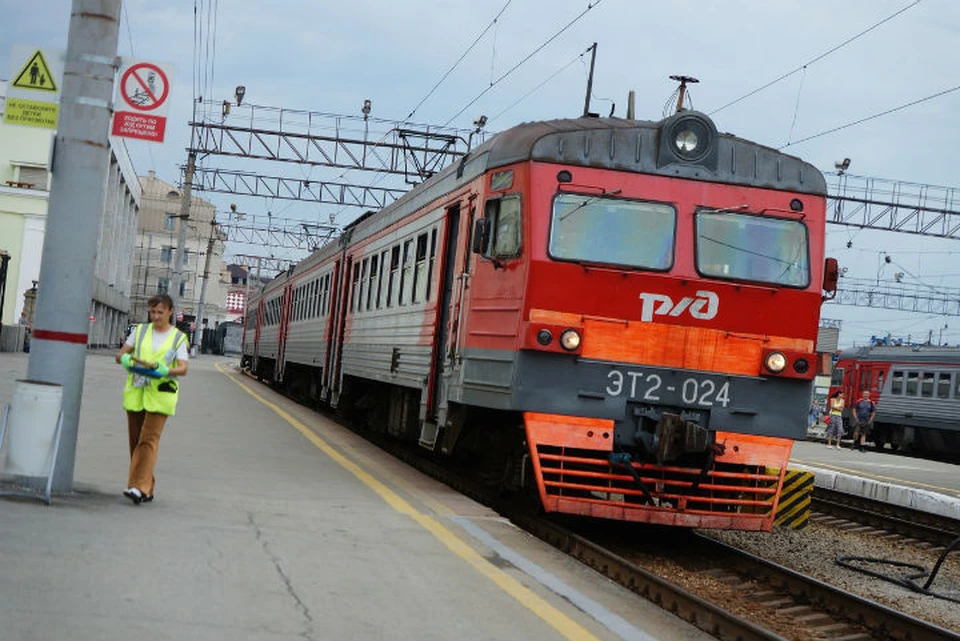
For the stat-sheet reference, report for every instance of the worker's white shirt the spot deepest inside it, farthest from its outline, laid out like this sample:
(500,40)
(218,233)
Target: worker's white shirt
(157,339)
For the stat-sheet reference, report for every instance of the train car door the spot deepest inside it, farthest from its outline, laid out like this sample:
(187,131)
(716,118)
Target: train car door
(286,303)
(333,291)
(340,324)
(434,406)
(258,314)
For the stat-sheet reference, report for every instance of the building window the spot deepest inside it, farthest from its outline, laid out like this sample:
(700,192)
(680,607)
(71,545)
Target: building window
(33,177)
(163,285)
(166,253)
(235,301)
(168,221)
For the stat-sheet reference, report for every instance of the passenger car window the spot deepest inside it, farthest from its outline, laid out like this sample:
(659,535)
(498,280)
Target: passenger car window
(943,385)
(896,383)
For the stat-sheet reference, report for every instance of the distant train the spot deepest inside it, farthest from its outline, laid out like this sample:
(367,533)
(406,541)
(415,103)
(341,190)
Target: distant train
(917,392)
(622,311)
(225,339)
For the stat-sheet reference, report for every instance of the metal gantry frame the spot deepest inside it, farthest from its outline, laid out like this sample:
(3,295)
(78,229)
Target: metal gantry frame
(332,140)
(892,205)
(271,232)
(245,183)
(908,297)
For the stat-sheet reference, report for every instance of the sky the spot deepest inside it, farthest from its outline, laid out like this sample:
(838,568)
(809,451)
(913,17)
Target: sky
(328,57)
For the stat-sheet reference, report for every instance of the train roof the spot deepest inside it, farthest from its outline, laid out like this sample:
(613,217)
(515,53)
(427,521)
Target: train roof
(903,354)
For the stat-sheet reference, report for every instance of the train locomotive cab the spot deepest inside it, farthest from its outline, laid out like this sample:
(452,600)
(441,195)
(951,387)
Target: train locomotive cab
(648,295)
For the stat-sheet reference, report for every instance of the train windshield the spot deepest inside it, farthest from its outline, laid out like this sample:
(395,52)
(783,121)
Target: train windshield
(612,231)
(755,248)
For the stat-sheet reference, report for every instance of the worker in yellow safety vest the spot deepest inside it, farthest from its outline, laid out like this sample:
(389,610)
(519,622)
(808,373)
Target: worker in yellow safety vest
(155,354)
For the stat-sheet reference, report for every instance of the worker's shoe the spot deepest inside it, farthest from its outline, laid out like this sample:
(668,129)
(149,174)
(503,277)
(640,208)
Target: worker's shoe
(134,495)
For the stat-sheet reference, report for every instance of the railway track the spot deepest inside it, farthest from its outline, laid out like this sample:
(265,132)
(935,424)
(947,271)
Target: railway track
(761,601)
(905,525)
(773,603)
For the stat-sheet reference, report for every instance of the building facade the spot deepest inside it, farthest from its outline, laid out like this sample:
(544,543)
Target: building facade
(155,253)
(25,154)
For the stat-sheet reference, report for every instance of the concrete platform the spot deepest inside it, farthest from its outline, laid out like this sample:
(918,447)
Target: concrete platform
(272,523)
(930,486)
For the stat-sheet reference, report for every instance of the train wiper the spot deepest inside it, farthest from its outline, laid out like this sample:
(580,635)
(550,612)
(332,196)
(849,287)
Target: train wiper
(587,202)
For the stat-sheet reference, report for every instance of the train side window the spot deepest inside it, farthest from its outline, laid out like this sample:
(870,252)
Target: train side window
(406,272)
(433,256)
(380,276)
(836,378)
(394,276)
(326,293)
(363,283)
(374,266)
(879,381)
(896,383)
(356,287)
(504,216)
(913,383)
(956,386)
(943,385)
(420,270)
(926,385)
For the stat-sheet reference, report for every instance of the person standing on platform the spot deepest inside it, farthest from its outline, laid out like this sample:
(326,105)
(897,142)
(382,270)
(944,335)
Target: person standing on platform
(863,410)
(155,355)
(27,328)
(835,423)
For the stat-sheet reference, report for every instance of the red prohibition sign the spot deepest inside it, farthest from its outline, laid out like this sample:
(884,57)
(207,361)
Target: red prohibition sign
(145,98)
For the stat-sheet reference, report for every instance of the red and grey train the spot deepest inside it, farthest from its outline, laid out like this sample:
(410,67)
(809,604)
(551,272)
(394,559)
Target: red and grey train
(917,392)
(621,312)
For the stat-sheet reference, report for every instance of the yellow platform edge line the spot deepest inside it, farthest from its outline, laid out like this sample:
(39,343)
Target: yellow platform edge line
(560,622)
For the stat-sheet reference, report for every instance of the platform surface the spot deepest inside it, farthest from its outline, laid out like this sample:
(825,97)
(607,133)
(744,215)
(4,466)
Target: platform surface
(271,522)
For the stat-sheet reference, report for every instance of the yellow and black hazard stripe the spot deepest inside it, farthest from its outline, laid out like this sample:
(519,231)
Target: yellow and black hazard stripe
(793,510)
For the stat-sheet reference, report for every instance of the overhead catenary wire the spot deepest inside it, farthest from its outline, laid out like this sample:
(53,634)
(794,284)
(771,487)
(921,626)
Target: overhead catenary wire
(530,55)
(816,59)
(872,117)
(460,59)
(556,73)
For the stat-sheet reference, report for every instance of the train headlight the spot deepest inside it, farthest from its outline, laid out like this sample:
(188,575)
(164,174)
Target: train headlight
(801,365)
(691,138)
(686,141)
(544,337)
(775,362)
(570,339)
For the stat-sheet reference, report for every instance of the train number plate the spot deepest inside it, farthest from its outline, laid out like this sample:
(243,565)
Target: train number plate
(669,388)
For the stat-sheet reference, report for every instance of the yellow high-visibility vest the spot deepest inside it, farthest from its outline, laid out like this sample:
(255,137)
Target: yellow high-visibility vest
(157,395)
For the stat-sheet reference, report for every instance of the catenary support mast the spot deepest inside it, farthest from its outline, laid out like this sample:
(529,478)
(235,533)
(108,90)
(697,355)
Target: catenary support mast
(80,162)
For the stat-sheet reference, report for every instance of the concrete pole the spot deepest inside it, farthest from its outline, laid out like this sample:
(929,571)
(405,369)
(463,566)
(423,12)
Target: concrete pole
(81,160)
(182,236)
(203,287)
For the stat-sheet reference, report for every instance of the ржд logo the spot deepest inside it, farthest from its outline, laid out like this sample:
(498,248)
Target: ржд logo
(704,306)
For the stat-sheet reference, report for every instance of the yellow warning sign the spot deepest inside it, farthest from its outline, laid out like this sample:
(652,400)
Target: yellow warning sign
(36,75)
(32,113)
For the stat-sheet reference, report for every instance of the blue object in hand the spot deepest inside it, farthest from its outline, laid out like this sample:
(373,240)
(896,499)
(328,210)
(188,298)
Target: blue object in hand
(145,371)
